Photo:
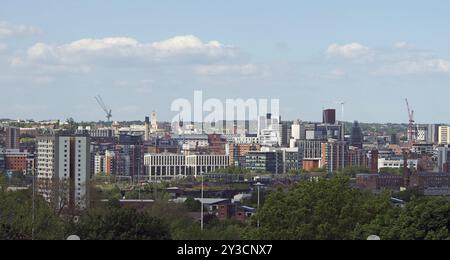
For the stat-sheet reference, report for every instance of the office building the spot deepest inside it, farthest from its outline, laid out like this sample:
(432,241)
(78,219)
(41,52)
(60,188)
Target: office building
(237,153)
(443,157)
(169,166)
(165,166)
(423,149)
(444,135)
(329,116)
(203,164)
(286,131)
(335,155)
(396,163)
(264,162)
(312,153)
(130,151)
(270,131)
(296,128)
(274,160)
(422,134)
(16,161)
(432,134)
(357,138)
(12,138)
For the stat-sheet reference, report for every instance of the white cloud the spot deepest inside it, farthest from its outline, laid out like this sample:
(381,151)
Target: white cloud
(8,30)
(403,45)
(127,52)
(214,70)
(439,66)
(401,59)
(348,51)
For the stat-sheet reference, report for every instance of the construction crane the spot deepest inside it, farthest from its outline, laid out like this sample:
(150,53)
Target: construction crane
(411,132)
(107,110)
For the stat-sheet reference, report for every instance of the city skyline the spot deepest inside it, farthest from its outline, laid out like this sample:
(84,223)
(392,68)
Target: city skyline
(143,57)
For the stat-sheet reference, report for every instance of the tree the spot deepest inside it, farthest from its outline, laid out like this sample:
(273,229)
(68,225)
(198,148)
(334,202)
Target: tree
(328,209)
(353,171)
(16,218)
(409,194)
(395,171)
(421,219)
(233,170)
(3,182)
(193,205)
(118,223)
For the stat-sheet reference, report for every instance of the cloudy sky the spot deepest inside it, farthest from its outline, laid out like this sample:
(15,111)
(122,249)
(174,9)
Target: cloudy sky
(140,55)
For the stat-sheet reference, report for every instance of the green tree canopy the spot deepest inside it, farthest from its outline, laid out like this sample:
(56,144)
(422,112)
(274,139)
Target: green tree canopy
(118,223)
(421,219)
(16,218)
(353,171)
(328,209)
(193,205)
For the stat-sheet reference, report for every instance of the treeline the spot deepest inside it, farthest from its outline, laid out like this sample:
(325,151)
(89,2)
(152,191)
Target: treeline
(106,221)
(330,209)
(326,209)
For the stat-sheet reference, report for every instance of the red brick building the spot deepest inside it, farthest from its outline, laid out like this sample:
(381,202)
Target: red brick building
(422,181)
(239,151)
(16,162)
(310,164)
(217,144)
(374,157)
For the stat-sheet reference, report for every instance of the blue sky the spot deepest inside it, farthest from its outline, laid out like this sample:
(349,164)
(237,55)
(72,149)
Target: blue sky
(307,53)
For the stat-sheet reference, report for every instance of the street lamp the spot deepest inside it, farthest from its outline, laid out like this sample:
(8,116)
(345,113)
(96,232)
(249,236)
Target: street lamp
(202,209)
(33,214)
(259,185)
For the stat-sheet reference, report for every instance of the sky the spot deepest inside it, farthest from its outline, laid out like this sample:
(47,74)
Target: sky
(140,56)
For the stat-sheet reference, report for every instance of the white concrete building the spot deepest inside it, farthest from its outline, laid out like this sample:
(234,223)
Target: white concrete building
(170,166)
(63,169)
(444,135)
(165,166)
(203,164)
(296,130)
(269,131)
(395,163)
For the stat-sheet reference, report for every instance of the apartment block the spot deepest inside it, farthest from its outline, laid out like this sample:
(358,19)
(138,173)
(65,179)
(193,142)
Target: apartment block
(63,170)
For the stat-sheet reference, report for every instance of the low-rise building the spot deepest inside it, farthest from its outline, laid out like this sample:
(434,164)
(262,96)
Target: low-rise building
(169,166)
(15,160)
(396,163)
